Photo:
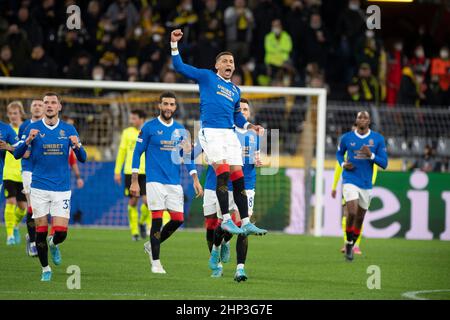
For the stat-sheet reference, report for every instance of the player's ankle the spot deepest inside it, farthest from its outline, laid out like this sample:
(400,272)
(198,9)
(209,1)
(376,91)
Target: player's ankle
(245,221)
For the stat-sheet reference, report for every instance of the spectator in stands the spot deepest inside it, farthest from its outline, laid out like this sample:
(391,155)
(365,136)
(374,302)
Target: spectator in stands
(153,50)
(278,47)
(91,21)
(169,77)
(395,63)
(440,70)
(113,69)
(368,50)
(46,14)
(70,43)
(124,15)
(419,61)
(410,87)
(132,69)
(146,73)
(296,25)
(428,163)
(184,17)
(239,24)
(264,13)
(6,65)
(350,27)
(316,41)
(17,41)
(364,87)
(80,67)
(41,65)
(150,22)
(30,26)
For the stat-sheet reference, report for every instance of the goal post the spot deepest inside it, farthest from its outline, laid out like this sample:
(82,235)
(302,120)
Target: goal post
(321,104)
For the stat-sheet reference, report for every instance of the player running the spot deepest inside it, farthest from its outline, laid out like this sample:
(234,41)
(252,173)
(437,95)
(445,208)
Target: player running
(219,113)
(336,178)
(364,148)
(37,113)
(16,202)
(125,156)
(161,140)
(50,140)
(218,240)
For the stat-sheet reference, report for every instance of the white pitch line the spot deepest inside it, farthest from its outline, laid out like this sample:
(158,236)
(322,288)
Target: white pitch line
(414,294)
(114,294)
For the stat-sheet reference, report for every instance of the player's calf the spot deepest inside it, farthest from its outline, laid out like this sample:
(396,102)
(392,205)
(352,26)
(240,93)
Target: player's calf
(211,224)
(176,220)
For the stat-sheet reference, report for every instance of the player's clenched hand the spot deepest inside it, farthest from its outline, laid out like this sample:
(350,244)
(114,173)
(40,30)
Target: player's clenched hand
(75,141)
(32,135)
(134,189)
(198,189)
(347,165)
(176,35)
(118,178)
(366,150)
(80,183)
(257,128)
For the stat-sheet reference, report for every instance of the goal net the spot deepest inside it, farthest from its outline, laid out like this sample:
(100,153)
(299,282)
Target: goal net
(288,196)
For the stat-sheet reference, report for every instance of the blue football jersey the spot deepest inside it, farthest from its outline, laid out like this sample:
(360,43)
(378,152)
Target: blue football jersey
(163,154)
(50,155)
(219,98)
(352,142)
(8,135)
(27,164)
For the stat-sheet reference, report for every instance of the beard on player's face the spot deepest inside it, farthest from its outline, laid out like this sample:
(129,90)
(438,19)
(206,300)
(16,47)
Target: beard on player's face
(167,114)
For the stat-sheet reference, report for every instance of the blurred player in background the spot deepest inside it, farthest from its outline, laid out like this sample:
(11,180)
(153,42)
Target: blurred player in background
(219,114)
(364,148)
(161,140)
(37,113)
(218,240)
(50,140)
(336,178)
(8,140)
(16,202)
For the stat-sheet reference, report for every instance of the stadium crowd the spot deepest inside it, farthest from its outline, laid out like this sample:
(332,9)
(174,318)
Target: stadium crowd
(276,42)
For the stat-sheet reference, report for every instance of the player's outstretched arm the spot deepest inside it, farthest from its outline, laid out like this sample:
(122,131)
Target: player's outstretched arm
(186,70)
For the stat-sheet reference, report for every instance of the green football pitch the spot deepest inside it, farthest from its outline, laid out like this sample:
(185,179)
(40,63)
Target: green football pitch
(279,266)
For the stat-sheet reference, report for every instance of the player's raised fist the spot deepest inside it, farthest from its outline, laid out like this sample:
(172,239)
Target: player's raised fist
(32,135)
(348,165)
(75,142)
(257,128)
(176,35)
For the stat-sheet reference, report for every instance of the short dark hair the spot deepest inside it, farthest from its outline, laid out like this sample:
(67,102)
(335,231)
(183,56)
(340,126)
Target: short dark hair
(51,94)
(140,113)
(243,100)
(167,94)
(224,53)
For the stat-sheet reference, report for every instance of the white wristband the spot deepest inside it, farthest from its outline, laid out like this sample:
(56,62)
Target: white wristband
(192,172)
(174,48)
(372,156)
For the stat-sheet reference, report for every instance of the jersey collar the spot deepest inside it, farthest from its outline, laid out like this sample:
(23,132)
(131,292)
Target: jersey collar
(223,78)
(360,136)
(165,124)
(50,127)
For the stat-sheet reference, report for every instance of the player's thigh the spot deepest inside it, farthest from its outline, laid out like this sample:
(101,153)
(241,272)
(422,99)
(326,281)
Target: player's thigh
(40,202)
(365,196)
(210,203)
(26,181)
(10,191)
(213,144)
(20,195)
(233,149)
(175,198)
(156,196)
(60,205)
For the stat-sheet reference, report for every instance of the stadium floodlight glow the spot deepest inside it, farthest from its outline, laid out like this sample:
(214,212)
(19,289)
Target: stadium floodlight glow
(156,86)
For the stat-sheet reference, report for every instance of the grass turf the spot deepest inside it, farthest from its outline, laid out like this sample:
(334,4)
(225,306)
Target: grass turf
(279,267)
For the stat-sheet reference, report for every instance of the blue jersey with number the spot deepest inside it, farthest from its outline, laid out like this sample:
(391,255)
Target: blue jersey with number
(27,164)
(8,135)
(50,155)
(219,98)
(250,145)
(361,174)
(163,154)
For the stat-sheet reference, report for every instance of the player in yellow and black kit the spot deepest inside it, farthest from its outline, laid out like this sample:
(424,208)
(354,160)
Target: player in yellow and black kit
(16,202)
(337,176)
(125,156)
